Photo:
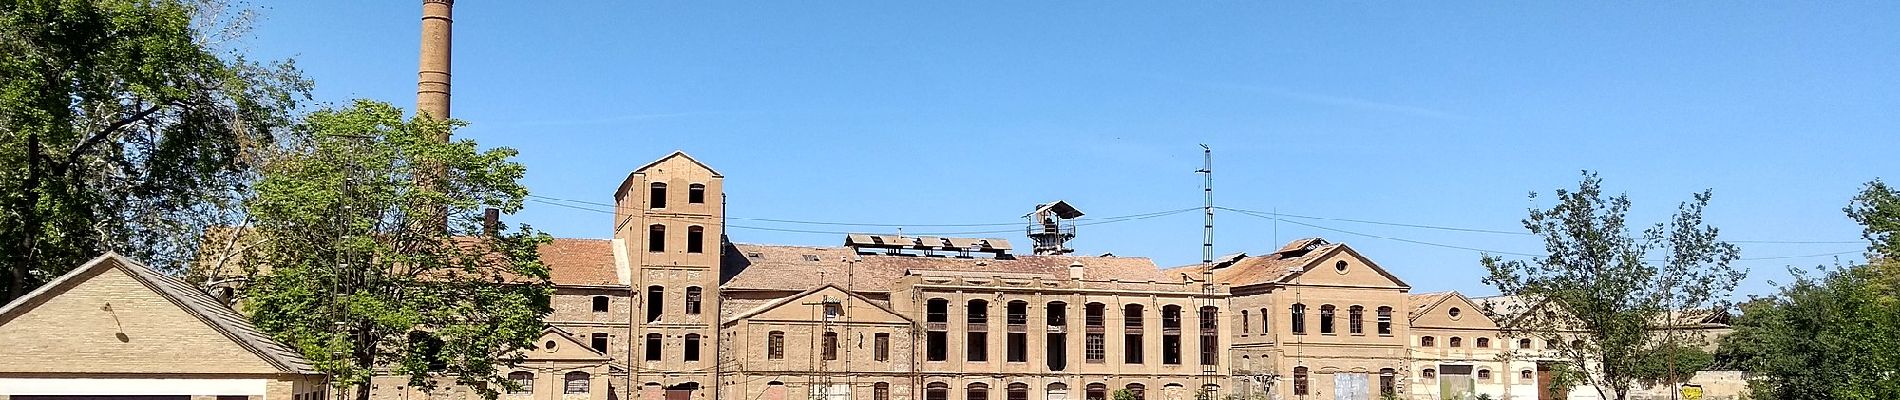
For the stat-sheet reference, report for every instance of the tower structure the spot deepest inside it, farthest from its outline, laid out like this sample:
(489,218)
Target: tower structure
(1051,226)
(668,219)
(432,81)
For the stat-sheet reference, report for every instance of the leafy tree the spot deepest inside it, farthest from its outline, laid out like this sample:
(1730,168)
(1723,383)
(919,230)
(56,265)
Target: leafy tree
(123,127)
(1671,364)
(354,269)
(1123,394)
(1599,289)
(1831,336)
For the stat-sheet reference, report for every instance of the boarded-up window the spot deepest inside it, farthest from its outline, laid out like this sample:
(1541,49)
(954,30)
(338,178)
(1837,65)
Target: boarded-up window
(523,379)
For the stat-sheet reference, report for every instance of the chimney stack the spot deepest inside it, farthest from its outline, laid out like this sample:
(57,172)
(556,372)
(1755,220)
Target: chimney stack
(491,221)
(432,84)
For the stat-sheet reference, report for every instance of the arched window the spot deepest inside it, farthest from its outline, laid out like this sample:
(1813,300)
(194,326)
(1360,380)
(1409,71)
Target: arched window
(656,197)
(1388,382)
(695,239)
(1094,339)
(1525,375)
(881,391)
(1299,381)
(1523,343)
(977,391)
(656,238)
(1132,334)
(1484,343)
(656,302)
(1140,391)
(976,341)
(524,379)
(696,193)
(1457,341)
(775,345)
(1484,375)
(979,312)
(1096,391)
(1056,391)
(1385,320)
(1356,320)
(937,310)
(1427,341)
(1018,391)
(1428,373)
(937,334)
(600,303)
(654,350)
(1266,319)
(1326,319)
(692,300)
(937,391)
(1299,319)
(1246,323)
(577,382)
(692,347)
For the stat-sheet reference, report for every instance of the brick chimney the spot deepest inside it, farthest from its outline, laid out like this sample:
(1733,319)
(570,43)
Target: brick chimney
(432,84)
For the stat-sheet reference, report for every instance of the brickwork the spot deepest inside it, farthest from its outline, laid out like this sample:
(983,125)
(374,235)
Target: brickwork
(111,323)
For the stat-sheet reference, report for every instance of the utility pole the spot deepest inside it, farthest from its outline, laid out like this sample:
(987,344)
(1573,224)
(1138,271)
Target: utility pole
(1210,371)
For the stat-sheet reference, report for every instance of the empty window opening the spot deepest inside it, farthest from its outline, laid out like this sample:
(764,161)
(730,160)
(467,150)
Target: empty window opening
(1210,319)
(600,303)
(977,346)
(695,239)
(656,302)
(831,346)
(1092,315)
(937,391)
(1388,382)
(1299,382)
(1385,320)
(692,347)
(653,347)
(696,193)
(775,345)
(939,346)
(1428,373)
(692,300)
(977,391)
(979,312)
(1326,319)
(1017,313)
(656,238)
(1427,341)
(1484,374)
(937,310)
(881,347)
(1457,341)
(1265,319)
(1131,348)
(1018,347)
(1356,320)
(1245,325)
(600,342)
(1299,319)
(656,197)
(1484,343)
(1523,343)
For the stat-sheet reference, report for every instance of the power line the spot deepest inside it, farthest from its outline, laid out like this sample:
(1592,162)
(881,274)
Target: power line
(1126,218)
(1501,232)
(804,222)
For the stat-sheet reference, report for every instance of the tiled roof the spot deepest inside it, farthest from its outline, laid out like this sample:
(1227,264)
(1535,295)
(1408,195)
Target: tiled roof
(573,261)
(1268,268)
(195,302)
(1424,301)
(797,268)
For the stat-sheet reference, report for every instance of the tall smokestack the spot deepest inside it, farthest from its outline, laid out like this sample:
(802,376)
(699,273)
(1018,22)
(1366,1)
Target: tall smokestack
(432,86)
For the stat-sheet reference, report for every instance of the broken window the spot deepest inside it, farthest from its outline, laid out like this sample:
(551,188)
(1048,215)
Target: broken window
(653,347)
(1356,320)
(1265,318)
(656,197)
(1385,320)
(577,382)
(1131,348)
(1057,345)
(656,302)
(1523,343)
(937,310)
(831,346)
(1457,341)
(775,345)
(1246,324)
(1484,343)
(695,239)
(1171,335)
(600,342)
(1299,319)
(939,347)
(1427,341)
(1326,319)
(1388,385)
(696,193)
(1018,347)
(1018,313)
(1299,381)
(977,346)
(600,303)
(692,347)
(692,300)
(656,238)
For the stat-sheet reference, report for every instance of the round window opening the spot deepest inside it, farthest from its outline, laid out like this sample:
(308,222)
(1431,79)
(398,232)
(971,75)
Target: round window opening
(1455,311)
(1341,265)
(550,346)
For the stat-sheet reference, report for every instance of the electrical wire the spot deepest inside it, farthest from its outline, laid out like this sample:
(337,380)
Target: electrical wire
(1109,220)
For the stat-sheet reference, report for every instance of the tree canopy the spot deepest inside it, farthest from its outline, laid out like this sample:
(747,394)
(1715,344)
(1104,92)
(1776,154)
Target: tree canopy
(354,269)
(1611,295)
(123,127)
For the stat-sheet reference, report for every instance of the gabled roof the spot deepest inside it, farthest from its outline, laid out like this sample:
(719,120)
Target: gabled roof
(187,297)
(1423,302)
(768,306)
(586,262)
(589,354)
(1283,265)
(796,268)
(682,154)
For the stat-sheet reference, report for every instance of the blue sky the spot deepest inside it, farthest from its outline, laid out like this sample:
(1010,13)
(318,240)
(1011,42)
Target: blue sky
(972,112)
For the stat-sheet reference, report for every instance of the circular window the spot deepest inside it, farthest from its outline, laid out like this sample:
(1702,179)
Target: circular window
(1341,265)
(550,346)
(1455,312)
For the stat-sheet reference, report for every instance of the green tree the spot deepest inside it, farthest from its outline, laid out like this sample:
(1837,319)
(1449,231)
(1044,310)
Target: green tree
(1598,287)
(124,127)
(354,269)
(1835,335)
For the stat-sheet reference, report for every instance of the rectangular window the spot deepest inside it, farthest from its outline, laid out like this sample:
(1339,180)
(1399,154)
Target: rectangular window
(1210,349)
(882,347)
(695,240)
(1095,348)
(1299,319)
(656,302)
(1057,351)
(656,238)
(692,347)
(1018,347)
(1131,348)
(978,346)
(1385,320)
(775,345)
(600,342)
(1171,349)
(696,193)
(692,300)
(657,195)
(1326,319)
(1355,320)
(831,346)
(653,347)
(939,347)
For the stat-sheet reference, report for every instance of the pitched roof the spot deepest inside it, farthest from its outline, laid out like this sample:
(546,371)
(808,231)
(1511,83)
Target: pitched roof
(1423,302)
(573,261)
(187,297)
(677,153)
(1272,267)
(769,305)
(797,268)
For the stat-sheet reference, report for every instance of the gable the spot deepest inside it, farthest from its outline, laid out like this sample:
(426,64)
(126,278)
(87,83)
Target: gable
(558,345)
(807,306)
(1343,266)
(105,320)
(1438,315)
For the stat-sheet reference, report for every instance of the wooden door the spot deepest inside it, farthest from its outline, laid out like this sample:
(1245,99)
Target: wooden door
(1544,391)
